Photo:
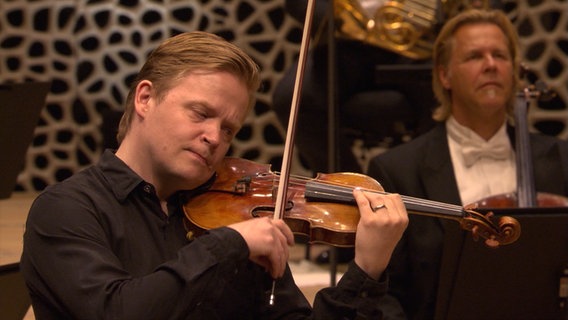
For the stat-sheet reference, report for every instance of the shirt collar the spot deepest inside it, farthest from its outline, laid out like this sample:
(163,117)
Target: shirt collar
(473,147)
(122,180)
(462,134)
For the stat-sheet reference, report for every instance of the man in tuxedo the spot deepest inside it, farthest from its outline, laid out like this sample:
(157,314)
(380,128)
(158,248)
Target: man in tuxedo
(475,79)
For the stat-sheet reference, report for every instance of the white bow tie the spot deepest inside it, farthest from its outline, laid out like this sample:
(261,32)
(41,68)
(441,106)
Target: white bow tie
(473,151)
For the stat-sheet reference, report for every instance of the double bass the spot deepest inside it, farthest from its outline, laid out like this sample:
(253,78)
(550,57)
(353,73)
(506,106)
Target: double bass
(525,195)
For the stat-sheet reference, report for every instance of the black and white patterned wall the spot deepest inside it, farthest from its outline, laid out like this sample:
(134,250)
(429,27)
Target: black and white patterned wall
(90,50)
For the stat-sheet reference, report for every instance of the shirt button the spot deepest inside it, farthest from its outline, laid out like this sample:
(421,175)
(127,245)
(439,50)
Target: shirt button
(147,188)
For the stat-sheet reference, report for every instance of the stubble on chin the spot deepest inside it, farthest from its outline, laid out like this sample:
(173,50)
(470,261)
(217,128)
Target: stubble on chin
(491,93)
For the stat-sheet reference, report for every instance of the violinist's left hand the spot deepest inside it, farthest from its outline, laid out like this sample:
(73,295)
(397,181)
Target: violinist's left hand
(379,230)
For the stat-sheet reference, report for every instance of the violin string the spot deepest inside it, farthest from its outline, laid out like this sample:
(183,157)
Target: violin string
(431,203)
(346,191)
(274,178)
(272,182)
(335,188)
(332,188)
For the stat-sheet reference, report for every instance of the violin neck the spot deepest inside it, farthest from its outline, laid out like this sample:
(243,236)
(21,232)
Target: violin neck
(526,193)
(322,192)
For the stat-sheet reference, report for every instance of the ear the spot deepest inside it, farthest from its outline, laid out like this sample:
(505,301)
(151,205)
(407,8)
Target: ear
(444,76)
(143,97)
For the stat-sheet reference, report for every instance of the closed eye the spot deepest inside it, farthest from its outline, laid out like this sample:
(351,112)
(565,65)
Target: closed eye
(501,55)
(228,132)
(197,112)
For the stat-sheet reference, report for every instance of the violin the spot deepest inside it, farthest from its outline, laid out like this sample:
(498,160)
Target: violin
(321,208)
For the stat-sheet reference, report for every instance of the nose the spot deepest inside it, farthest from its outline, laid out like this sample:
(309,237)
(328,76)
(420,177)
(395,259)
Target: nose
(212,134)
(490,63)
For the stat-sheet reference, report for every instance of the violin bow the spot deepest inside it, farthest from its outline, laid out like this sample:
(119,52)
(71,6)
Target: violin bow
(290,133)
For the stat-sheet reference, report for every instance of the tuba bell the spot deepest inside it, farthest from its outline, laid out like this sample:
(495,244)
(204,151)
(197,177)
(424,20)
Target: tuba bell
(407,27)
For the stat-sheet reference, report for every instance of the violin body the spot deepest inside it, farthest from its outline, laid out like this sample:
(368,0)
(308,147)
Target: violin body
(245,190)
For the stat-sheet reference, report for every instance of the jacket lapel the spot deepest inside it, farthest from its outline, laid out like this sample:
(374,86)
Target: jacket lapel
(437,172)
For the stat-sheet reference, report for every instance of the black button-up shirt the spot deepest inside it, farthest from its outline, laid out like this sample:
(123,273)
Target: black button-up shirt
(99,246)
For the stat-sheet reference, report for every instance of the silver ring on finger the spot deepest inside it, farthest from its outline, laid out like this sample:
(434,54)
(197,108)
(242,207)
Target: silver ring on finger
(378,207)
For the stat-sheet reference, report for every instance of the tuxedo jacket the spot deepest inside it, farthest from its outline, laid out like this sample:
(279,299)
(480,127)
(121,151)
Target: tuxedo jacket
(422,168)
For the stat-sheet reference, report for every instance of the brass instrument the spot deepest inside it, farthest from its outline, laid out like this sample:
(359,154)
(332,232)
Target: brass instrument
(407,27)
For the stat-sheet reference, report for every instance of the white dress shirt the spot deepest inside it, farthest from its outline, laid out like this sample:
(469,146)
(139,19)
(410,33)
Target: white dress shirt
(482,168)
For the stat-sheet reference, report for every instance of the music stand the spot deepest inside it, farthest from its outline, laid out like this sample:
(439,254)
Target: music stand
(20,106)
(516,281)
(14,297)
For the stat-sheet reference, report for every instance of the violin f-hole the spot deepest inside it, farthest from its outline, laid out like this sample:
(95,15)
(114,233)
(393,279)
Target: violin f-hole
(263,211)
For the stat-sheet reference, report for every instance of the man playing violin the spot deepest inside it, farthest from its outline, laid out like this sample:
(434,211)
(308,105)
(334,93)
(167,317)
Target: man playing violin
(110,242)
(475,79)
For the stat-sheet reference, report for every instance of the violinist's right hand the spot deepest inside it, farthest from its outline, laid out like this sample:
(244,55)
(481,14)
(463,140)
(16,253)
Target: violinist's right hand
(268,241)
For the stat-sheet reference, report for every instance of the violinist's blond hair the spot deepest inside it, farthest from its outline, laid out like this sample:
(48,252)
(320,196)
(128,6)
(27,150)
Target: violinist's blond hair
(179,55)
(443,51)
